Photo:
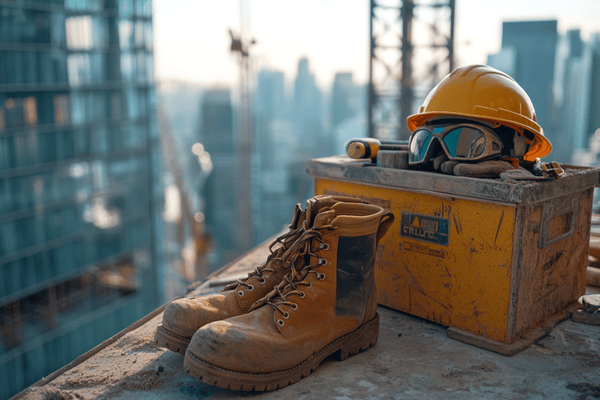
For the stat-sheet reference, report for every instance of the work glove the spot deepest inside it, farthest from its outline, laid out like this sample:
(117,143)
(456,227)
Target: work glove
(484,169)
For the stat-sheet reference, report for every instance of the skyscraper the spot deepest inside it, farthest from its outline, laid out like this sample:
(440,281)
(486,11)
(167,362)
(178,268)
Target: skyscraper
(217,135)
(576,95)
(308,113)
(534,44)
(275,146)
(80,189)
(341,98)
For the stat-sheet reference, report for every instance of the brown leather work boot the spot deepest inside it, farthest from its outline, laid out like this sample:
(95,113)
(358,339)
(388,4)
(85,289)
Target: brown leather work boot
(183,317)
(326,304)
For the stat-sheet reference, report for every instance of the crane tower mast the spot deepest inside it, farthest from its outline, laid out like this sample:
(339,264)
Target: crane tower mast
(402,31)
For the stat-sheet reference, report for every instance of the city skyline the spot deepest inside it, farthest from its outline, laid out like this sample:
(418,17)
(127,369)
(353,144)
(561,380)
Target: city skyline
(282,41)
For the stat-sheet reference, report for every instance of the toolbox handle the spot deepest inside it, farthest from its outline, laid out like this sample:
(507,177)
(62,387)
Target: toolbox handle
(548,213)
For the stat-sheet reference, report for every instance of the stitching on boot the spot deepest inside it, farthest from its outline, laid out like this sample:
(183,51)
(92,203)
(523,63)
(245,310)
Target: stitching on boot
(171,333)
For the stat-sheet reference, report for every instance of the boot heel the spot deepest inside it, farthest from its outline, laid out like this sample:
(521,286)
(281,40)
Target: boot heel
(361,339)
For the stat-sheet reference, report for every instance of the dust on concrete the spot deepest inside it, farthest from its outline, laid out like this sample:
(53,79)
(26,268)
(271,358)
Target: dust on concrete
(587,358)
(57,394)
(133,343)
(146,379)
(532,182)
(488,366)
(586,389)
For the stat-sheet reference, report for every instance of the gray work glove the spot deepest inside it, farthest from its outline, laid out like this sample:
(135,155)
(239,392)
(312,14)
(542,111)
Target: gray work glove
(484,169)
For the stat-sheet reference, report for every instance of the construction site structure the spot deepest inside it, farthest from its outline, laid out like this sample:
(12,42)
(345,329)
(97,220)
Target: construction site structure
(402,31)
(241,45)
(190,222)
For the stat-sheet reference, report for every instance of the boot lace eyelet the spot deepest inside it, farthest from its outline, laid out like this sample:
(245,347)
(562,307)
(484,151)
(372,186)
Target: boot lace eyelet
(261,281)
(302,295)
(280,322)
(240,292)
(309,285)
(322,261)
(286,315)
(321,277)
(294,306)
(250,288)
(324,246)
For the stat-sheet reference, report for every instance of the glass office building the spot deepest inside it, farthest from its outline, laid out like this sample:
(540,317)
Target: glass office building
(80,180)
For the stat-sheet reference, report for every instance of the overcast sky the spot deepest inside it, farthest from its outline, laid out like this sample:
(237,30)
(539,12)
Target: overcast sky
(192,40)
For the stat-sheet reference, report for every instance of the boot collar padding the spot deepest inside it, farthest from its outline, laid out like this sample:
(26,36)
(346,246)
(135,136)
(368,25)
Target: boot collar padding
(357,219)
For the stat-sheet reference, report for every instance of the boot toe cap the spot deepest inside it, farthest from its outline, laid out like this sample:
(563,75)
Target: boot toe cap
(186,316)
(237,347)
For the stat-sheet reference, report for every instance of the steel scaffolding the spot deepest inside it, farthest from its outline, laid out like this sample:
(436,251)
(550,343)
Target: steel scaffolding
(412,48)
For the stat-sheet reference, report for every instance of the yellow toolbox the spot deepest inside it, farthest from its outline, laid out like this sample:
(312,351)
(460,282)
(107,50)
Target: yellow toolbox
(498,262)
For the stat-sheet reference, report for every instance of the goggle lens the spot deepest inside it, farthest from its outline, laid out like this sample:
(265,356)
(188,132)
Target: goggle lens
(465,142)
(462,142)
(419,145)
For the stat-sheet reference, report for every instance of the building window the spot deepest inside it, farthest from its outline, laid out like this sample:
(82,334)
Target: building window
(125,34)
(30,110)
(61,109)
(79,32)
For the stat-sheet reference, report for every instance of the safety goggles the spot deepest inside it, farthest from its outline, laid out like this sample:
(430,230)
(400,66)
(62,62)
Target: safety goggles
(460,142)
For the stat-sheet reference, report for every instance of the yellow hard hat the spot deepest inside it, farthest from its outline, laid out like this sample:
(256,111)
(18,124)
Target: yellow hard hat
(482,92)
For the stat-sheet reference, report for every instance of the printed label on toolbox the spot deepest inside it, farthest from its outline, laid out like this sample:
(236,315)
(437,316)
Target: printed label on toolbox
(424,227)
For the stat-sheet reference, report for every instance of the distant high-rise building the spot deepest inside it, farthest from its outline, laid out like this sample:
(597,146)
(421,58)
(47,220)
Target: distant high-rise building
(593,123)
(576,95)
(308,113)
(505,61)
(275,147)
(270,94)
(219,192)
(80,180)
(270,105)
(342,95)
(534,44)
(567,97)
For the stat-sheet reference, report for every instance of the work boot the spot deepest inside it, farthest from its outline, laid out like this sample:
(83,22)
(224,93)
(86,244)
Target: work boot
(326,304)
(183,317)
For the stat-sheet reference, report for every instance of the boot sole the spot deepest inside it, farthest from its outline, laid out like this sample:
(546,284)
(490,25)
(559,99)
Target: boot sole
(171,340)
(348,345)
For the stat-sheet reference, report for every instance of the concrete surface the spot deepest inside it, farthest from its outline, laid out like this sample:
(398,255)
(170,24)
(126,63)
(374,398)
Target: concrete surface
(413,359)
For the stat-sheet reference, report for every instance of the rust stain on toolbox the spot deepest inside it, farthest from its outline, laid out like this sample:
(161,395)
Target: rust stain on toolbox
(492,258)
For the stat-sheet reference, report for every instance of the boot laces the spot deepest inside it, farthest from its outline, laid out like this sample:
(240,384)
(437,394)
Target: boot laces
(294,258)
(276,254)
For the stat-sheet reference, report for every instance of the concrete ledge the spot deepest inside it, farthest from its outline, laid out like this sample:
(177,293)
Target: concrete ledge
(413,358)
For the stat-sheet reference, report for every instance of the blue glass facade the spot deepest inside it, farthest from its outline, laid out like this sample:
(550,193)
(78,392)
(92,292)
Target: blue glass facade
(534,43)
(80,188)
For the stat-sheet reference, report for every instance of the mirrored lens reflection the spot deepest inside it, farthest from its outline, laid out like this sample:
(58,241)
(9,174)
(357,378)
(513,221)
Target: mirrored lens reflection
(465,142)
(419,145)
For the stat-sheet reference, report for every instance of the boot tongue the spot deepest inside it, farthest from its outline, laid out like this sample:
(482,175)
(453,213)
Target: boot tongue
(324,217)
(315,205)
(298,217)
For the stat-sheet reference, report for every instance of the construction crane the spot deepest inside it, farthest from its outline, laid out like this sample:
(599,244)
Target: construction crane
(400,32)
(189,213)
(240,45)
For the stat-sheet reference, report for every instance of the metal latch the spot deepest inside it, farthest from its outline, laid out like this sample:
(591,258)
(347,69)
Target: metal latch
(553,168)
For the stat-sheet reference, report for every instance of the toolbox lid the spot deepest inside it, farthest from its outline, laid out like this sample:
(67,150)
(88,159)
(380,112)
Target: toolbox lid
(512,191)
